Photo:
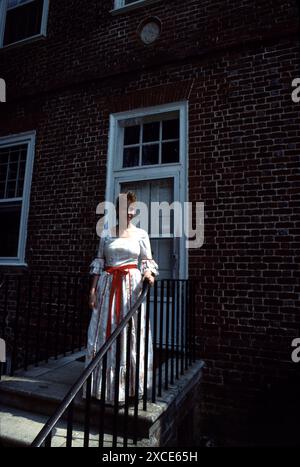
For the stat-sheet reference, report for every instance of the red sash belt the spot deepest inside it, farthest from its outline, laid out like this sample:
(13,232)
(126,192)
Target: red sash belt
(116,288)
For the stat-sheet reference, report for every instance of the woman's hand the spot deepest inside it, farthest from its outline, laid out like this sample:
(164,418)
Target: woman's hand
(92,299)
(149,277)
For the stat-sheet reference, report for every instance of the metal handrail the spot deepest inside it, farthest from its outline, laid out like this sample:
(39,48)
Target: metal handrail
(50,424)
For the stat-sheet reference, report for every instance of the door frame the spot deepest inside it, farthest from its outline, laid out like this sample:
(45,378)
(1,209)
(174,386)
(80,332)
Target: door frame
(177,171)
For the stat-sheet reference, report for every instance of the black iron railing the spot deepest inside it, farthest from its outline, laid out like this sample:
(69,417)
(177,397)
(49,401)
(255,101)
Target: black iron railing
(2,363)
(43,316)
(85,378)
(47,317)
(177,356)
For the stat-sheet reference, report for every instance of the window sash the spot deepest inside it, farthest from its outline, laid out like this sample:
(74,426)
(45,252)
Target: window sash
(7,10)
(141,143)
(16,209)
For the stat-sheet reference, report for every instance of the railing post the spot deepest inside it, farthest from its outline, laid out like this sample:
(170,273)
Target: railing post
(173,332)
(87,413)
(102,401)
(16,327)
(127,381)
(137,376)
(57,330)
(154,343)
(28,319)
(116,391)
(147,324)
(38,327)
(70,425)
(161,337)
(49,311)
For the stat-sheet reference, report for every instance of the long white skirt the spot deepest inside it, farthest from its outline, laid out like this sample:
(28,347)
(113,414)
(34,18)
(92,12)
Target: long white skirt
(131,289)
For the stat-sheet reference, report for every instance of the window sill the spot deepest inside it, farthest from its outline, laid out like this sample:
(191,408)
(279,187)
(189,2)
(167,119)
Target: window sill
(132,6)
(12,264)
(29,40)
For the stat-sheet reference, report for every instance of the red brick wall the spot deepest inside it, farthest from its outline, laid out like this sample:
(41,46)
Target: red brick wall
(235,61)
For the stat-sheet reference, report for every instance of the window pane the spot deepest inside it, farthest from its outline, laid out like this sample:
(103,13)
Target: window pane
(170,129)
(3,172)
(12,3)
(23,22)
(127,2)
(131,157)
(12,171)
(151,132)
(170,152)
(9,232)
(132,135)
(150,154)
(21,179)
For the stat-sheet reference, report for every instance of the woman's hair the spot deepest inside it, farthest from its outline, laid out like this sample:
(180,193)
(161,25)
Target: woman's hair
(131,198)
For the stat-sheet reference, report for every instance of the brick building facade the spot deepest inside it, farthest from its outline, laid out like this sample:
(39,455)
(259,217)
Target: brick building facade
(225,69)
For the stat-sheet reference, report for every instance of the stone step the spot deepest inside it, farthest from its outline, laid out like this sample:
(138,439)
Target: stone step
(40,390)
(43,393)
(19,428)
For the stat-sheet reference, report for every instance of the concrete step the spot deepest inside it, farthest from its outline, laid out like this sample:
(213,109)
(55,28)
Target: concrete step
(19,428)
(40,390)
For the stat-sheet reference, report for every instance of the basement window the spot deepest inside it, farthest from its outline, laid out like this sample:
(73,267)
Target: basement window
(21,20)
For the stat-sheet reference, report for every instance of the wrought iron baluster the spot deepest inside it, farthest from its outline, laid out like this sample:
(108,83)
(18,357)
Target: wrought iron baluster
(154,343)
(127,382)
(16,326)
(146,361)
(167,336)
(57,327)
(173,331)
(49,311)
(86,438)
(102,401)
(38,329)
(70,425)
(137,377)
(116,392)
(161,337)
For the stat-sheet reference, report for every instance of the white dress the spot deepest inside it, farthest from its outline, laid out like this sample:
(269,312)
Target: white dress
(117,251)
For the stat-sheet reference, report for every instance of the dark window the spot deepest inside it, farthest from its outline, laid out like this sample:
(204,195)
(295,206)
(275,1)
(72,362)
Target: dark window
(170,152)
(132,135)
(9,235)
(23,21)
(151,132)
(131,157)
(158,143)
(170,129)
(12,172)
(150,154)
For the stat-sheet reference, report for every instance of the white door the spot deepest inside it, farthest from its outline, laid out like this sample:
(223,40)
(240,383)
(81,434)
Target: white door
(165,251)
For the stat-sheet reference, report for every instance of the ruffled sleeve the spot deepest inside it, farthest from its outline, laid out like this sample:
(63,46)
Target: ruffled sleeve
(147,263)
(98,263)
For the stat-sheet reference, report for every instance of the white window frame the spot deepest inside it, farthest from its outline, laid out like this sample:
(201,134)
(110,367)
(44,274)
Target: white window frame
(43,31)
(15,140)
(178,171)
(120,6)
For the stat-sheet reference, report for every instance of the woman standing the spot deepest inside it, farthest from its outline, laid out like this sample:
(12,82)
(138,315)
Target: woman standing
(122,263)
